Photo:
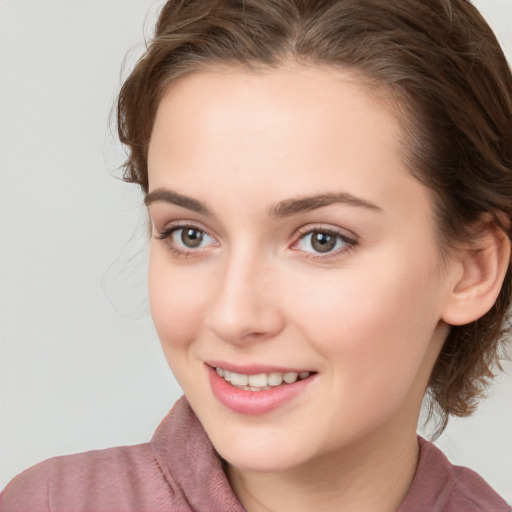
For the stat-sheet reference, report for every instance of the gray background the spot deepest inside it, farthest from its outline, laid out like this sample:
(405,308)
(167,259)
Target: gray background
(81,366)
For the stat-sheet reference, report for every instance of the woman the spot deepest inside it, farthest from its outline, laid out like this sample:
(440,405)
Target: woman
(328,186)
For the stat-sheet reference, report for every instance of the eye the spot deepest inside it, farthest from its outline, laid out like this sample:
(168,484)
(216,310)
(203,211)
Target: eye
(183,240)
(322,241)
(190,237)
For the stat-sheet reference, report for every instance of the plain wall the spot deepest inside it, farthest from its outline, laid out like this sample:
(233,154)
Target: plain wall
(81,366)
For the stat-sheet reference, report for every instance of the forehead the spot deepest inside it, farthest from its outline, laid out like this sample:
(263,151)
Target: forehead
(264,98)
(291,128)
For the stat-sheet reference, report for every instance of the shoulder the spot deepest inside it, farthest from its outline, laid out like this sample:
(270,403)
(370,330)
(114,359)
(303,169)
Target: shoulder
(29,490)
(178,470)
(127,478)
(474,489)
(440,486)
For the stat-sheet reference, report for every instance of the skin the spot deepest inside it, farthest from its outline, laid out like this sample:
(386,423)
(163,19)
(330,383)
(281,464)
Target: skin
(368,317)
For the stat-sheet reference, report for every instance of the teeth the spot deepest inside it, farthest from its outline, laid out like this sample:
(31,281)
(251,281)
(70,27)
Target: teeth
(290,378)
(275,379)
(239,379)
(260,381)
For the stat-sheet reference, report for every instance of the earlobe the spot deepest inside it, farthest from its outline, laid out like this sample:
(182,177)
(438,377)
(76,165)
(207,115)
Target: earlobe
(480,275)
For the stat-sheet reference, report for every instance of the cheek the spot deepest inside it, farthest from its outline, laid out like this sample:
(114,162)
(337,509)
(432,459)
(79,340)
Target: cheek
(175,301)
(372,328)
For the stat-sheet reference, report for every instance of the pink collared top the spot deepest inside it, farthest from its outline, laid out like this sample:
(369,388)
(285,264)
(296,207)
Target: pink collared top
(180,471)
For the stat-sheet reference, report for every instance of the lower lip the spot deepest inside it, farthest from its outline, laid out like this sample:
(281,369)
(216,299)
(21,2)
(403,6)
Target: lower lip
(254,402)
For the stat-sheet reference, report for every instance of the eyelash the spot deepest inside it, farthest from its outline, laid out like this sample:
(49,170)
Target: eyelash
(350,243)
(170,230)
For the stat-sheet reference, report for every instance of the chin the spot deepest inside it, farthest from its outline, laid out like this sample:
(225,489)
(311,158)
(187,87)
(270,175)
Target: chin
(249,458)
(263,449)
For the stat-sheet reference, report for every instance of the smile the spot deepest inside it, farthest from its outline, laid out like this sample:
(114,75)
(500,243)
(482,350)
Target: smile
(258,392)
(260,381)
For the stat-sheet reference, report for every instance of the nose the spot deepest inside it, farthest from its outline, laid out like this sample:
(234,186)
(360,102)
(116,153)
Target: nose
(245,306)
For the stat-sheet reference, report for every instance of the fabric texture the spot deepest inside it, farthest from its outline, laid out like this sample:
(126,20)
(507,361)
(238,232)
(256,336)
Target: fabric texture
(180,471)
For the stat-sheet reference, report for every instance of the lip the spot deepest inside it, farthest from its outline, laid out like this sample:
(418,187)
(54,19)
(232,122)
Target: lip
(254,402)
(254,369)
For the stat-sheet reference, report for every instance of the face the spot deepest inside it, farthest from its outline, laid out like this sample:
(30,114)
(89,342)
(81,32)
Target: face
(289,241)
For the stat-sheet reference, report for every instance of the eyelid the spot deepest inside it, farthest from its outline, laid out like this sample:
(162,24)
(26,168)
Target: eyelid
(178,251)
(351,240)
(180,224)
(327,228)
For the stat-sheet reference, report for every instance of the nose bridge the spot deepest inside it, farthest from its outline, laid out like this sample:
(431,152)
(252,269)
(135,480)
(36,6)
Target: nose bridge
(243,306)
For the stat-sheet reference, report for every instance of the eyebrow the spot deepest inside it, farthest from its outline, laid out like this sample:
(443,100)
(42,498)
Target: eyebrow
(283,209)
(294,206)
(164,195)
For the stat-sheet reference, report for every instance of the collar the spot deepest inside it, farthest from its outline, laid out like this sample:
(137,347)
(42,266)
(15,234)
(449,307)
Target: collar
(190,463)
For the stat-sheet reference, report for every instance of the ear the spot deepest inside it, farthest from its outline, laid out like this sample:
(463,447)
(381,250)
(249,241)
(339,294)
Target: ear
(479,275)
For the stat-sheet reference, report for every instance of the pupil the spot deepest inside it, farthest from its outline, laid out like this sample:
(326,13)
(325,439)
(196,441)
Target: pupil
(323,242)
(191,237)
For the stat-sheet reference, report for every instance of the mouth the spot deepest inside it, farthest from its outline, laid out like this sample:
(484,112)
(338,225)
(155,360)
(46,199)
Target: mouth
(258,390)
(261,381)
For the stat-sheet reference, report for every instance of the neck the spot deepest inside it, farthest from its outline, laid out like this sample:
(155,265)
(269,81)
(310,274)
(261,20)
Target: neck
(373,474)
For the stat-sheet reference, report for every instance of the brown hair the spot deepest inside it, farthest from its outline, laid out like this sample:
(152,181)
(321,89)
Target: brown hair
(448,80)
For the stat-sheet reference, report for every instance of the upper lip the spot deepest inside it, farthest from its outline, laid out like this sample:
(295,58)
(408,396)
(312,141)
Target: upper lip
(255,369)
